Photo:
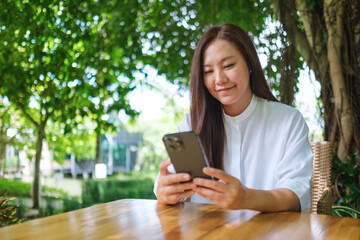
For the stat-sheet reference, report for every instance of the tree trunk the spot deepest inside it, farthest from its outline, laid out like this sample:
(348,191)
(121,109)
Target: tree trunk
(214,12)
(334,11)
(36,183)
(289,56)
(2,158)
(17,154)
(98,143)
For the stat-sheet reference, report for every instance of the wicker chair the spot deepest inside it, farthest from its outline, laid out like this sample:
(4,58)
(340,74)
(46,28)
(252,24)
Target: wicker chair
(321,197)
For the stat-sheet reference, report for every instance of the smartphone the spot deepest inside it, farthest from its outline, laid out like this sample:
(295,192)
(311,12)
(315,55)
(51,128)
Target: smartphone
(186,153)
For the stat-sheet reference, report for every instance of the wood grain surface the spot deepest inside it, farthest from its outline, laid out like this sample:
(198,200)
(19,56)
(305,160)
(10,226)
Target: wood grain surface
(146,219)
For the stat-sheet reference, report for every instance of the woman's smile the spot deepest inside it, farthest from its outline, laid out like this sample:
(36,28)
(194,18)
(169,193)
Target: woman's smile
(225,90)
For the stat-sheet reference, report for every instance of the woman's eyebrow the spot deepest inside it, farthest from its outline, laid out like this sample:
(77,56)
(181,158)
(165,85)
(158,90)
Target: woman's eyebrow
(222,60)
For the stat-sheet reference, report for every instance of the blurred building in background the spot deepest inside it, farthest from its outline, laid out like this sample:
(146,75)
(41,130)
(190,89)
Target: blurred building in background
(118,153)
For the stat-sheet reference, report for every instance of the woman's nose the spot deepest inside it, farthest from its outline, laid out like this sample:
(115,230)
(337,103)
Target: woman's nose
(220,77)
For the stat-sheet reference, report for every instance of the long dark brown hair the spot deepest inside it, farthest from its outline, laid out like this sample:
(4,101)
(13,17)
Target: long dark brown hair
(205,110)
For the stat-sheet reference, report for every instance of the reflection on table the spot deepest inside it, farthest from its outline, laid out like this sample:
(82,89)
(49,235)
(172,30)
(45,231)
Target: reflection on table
(146,219)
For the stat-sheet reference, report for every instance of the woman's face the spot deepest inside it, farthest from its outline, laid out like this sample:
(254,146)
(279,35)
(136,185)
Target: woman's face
(227,77)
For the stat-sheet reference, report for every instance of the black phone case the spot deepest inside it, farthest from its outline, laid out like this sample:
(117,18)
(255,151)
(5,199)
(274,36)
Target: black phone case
(186,153)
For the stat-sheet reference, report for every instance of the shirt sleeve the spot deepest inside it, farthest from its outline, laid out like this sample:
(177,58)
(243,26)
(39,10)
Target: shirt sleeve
(294,170)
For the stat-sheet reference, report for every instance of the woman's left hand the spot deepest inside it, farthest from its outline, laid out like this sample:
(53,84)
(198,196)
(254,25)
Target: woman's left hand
(228,192)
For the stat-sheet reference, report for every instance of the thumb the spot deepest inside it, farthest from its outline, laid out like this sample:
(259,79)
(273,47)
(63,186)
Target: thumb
(163,167)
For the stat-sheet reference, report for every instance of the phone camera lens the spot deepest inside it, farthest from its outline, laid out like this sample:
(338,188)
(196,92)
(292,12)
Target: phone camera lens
(179,145)
(171,148)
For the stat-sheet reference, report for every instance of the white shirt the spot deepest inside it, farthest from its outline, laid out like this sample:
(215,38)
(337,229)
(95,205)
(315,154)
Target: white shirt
(267,147)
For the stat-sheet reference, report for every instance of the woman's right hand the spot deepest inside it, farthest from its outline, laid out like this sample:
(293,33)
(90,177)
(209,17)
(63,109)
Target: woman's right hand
(172,187)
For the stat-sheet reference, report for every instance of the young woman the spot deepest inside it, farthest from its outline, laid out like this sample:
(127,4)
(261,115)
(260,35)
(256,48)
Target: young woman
(258,147)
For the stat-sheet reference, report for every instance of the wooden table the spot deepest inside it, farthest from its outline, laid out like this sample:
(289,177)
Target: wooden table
(145,219)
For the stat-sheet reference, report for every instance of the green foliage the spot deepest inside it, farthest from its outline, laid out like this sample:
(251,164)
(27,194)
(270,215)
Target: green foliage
(68,204)
(171,30)
(74,60)
(66,58)
(132,185)
(101,191)
(51,197)
(8,213)
(135,175)
(50,206)
(81,141)
(49,209)
(343,211)
(61,61)
(54,192)
(14,129)
(18,188)
(71,203)
(345,179)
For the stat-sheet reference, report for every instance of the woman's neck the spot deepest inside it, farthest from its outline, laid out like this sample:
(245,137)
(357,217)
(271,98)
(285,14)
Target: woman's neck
(237,108)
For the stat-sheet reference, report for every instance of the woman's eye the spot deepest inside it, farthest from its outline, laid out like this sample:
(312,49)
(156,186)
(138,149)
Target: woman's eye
(207,72)
(229,65)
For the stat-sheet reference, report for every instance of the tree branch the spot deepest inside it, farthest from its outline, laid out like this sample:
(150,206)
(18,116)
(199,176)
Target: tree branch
(22,108)
(317,62)
(13,138)
(302,43)
(311,22)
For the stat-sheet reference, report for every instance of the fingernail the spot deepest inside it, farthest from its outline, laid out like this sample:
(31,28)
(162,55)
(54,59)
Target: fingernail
(186,176)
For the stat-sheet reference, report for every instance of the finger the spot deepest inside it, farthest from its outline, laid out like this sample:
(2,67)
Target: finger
(173,193)
(175,198)
(183,195)
(219,174)
(210,194)
(176,188)
(163,167)
(210,184)
(173,178)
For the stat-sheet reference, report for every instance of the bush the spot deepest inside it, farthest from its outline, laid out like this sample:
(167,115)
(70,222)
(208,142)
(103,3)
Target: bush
(101,191)
(54,192)
(15,188)
(18,188)
(345,179)
(71,203)
(54,198)
(8,212)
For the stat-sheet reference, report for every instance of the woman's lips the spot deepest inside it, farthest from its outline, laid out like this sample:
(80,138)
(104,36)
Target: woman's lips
(222,90)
